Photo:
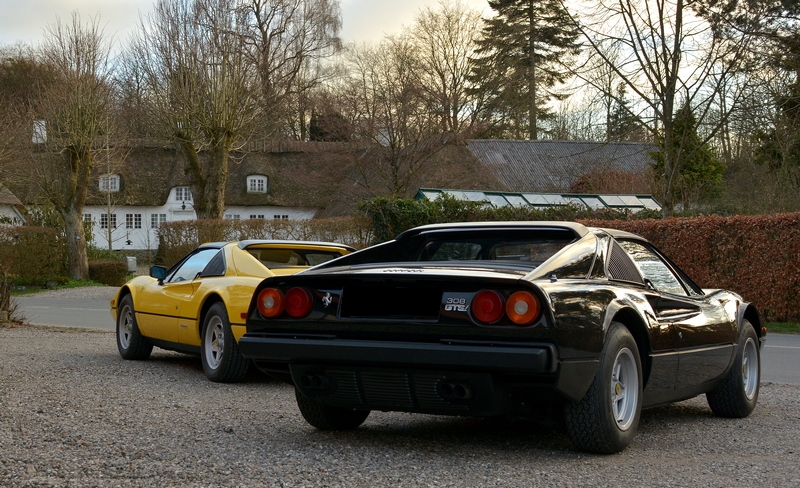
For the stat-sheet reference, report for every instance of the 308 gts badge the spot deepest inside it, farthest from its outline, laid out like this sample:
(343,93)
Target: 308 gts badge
(456,305)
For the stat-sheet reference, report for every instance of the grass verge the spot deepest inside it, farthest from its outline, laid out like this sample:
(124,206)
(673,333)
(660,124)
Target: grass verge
(30,289)
(783,327)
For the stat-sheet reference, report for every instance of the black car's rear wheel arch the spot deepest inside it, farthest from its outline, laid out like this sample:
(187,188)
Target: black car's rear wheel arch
(636,326)
(606,419)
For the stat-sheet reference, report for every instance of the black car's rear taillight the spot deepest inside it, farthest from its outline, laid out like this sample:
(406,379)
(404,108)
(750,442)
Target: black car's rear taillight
(298,302)
(490,306)
(487,306)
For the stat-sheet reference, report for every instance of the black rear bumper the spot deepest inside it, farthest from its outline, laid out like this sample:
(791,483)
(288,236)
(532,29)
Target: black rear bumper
(451,377)
(525,358)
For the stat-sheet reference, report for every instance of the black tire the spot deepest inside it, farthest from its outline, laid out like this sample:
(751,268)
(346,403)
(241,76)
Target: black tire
(606,419)
(737,395)
(130,342)
(325,417)
(222,361)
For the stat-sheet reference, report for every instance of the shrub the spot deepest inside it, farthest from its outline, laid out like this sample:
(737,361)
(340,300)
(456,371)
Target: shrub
(176,239)
(755,256)
(33,255)
(391,216)
(108,271)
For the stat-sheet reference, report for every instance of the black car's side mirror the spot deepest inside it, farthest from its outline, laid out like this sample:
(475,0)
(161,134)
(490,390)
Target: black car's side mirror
(159,273)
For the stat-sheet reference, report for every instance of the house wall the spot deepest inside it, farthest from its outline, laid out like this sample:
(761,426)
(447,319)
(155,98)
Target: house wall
(140,231)
(243,213)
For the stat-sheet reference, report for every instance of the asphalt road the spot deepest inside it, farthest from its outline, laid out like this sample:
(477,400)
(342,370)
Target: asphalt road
(66,312)
(780,359)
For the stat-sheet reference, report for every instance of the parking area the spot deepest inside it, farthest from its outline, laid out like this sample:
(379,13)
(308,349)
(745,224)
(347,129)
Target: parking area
(72,412)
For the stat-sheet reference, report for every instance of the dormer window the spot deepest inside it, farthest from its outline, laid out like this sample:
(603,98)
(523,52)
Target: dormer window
(183,194)
(256,184)
(109,183)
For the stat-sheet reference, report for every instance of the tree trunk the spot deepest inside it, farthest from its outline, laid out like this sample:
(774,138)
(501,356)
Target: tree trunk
(77,261)
(216,180)
(533,115)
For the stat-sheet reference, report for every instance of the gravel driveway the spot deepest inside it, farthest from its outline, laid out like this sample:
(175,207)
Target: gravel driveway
(73,413)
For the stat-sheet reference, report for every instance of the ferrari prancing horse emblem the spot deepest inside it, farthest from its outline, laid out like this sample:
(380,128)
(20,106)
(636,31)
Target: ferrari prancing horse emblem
(326,299)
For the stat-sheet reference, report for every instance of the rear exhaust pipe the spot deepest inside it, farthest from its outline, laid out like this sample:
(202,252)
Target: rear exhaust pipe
(314,382)
(455,390)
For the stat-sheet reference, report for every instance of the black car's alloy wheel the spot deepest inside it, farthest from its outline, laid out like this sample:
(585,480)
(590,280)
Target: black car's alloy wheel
(222,361)
(737,395)
(605,420)
(130,342)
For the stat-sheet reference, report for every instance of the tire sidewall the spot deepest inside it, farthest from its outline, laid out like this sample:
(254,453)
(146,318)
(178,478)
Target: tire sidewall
(619,338)
(126,307)
(590,422)
(745,405)
(138,346)
(216,310)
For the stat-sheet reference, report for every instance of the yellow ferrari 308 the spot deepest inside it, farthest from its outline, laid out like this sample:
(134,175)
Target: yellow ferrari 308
(199,305)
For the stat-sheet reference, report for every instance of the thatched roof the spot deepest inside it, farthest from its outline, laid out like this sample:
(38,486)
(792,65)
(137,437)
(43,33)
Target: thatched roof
(8,198)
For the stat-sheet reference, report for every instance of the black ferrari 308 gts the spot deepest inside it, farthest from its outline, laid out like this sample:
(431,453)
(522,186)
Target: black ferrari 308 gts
(498,318)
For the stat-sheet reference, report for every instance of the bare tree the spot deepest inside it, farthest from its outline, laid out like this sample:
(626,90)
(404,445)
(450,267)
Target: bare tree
(286,40)
(72,111)
(383,102)
(668,56)
(199,87)
(445,41)
(211,73)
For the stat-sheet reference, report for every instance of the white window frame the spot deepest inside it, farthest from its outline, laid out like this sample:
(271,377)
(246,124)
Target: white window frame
(157,219)
(133,221)
(109,183)
(183,194)
(257,184)
(104,220)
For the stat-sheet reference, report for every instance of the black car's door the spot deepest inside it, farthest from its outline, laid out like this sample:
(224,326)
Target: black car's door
(704,332)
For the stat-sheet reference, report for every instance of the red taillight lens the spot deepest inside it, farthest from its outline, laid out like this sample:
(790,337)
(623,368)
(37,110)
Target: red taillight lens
(298,302)
(523,308)
(487,306)
(270,302)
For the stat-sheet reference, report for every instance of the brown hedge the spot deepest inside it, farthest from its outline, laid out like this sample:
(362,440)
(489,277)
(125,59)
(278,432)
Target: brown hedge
(176,239)
(755,256)
(32,255)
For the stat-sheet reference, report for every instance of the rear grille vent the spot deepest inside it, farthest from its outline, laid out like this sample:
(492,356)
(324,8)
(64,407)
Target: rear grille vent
(621,267)
(403,391)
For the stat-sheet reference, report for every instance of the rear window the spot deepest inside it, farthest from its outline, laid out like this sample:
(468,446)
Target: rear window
(288,258)
(519,247)
(533,251)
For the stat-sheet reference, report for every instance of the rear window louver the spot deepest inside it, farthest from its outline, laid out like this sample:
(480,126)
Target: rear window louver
(621,267)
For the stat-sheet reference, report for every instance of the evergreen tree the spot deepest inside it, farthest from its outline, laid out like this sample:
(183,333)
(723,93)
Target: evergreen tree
(519,61)
(622,125)
(700,175)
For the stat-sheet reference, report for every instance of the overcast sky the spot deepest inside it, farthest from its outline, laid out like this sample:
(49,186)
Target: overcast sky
(364,20)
